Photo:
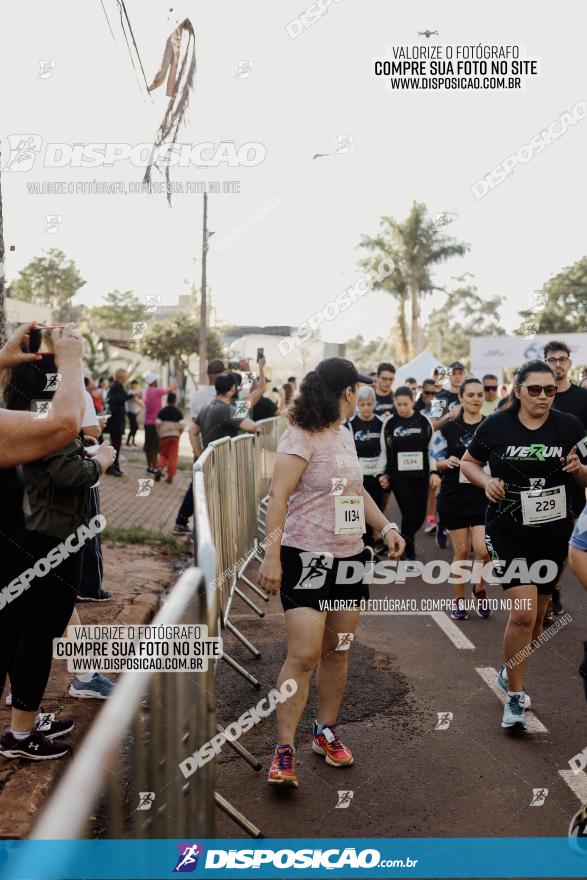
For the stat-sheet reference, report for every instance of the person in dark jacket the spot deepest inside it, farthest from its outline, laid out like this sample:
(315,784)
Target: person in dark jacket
(117,397)
(56,506)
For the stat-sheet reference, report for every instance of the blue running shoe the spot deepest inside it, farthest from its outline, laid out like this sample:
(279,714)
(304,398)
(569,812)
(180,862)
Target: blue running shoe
(513,713)
(459,611)
(98,688)
(503,684)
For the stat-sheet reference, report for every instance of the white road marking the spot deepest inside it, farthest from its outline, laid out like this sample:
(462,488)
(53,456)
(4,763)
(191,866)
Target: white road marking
(577,782)
(443,620)
(450,629)
(488,674)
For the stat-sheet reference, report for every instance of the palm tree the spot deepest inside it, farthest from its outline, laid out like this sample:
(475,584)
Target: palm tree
(416,246)
(382,248)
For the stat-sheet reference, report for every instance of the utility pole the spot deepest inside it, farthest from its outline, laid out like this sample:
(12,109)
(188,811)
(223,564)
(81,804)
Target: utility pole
(203,316)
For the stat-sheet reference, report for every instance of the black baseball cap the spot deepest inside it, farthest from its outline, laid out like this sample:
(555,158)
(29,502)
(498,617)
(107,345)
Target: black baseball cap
(456,365)
(339,373)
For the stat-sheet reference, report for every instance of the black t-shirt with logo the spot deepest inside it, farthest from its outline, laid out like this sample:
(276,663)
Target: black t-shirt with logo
(405,435)
(526,460)
(443,403)
(384,404)
(367,436)
(573,401)
(456,496)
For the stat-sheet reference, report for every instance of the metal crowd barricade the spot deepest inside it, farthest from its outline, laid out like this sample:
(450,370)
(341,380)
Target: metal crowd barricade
(244,450)
(216,466)
(219,491)
(149,724)
(204,553)
(269,432)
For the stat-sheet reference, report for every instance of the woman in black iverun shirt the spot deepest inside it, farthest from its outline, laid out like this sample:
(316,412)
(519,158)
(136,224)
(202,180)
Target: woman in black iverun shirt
(461,505)
(406,435)
(366,430)
(533,453)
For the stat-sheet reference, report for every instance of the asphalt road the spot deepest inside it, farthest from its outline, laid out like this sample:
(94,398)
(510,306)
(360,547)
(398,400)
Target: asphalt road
(410,778)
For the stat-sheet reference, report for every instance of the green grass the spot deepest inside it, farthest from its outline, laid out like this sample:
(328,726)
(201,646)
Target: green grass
(138,535)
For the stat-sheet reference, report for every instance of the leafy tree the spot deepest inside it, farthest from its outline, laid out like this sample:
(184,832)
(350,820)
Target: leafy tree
(119,311)
(561,303)
(53,280)
(414,246)
(177,340)
(366,355)
(464,314)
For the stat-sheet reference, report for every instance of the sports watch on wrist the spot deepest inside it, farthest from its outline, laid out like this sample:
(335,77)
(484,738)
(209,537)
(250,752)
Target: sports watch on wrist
(386,528)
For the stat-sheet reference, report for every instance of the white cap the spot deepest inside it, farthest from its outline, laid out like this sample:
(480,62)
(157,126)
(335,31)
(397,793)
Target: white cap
(151,377)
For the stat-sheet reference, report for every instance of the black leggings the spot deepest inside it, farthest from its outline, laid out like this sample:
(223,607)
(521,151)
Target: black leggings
(133,427)
(411,494)
(29,623)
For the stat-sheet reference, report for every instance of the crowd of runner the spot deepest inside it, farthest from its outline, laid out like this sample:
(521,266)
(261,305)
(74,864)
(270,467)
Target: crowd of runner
(500,472)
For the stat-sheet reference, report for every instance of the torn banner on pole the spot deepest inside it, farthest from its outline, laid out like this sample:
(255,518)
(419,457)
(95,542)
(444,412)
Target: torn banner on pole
(179,68)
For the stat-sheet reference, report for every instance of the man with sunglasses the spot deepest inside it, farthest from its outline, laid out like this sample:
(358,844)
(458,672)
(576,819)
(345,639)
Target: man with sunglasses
(429,391)
(570,399)
(491,401)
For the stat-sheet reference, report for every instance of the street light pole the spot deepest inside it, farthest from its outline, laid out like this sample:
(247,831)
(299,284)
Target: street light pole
(203,316)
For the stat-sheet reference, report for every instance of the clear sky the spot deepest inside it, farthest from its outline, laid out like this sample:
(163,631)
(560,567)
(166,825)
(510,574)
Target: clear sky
(301,94)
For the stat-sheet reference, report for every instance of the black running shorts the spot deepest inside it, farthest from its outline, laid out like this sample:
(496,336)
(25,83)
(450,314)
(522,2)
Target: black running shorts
(309,578)
(453,521)
(530,545)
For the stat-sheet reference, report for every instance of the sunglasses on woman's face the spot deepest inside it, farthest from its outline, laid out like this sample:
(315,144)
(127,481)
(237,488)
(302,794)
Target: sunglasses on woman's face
(536,390)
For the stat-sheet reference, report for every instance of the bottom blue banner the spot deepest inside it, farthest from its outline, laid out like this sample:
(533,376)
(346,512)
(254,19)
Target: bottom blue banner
(307,857)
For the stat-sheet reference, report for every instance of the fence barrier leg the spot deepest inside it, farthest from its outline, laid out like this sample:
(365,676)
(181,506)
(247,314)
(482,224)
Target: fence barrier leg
(242,671)
(241,751)
(249,602)
(237,817)
(242,639)
(257,590)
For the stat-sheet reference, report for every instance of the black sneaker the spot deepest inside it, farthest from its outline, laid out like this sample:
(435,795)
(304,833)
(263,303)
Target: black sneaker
(557,605)
(35,747)
(102,596)
(50,727)
(441,538)
(179,529)
(158,475)
(113,471)
(549,616)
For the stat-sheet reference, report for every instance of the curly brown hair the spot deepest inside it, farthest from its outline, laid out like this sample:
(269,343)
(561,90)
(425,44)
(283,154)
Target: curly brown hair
(318,403)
